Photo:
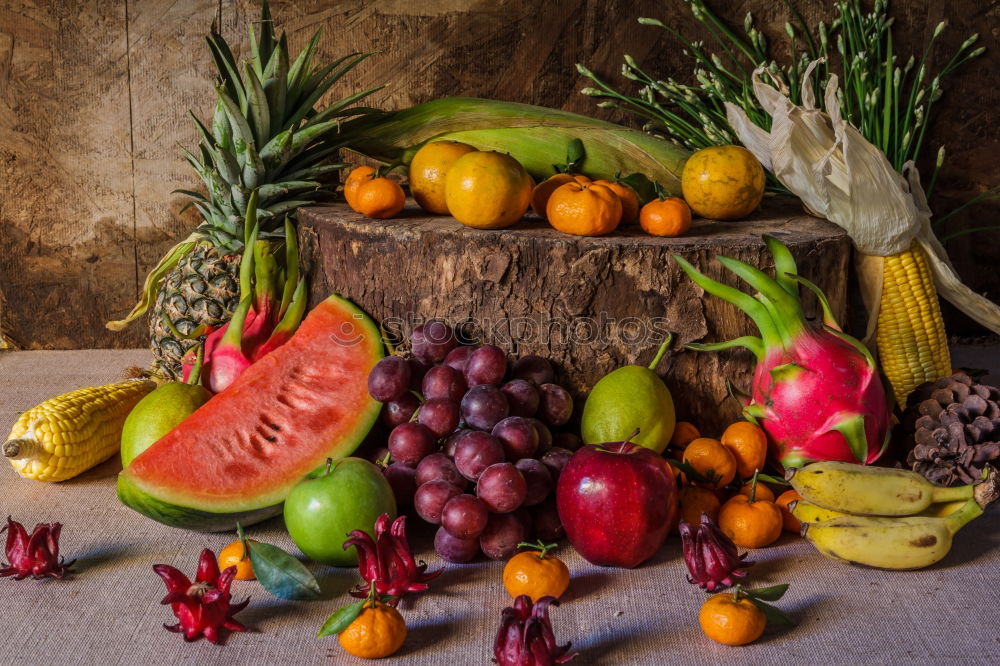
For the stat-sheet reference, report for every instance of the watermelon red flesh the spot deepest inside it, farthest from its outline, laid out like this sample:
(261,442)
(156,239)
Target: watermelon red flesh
(244,450)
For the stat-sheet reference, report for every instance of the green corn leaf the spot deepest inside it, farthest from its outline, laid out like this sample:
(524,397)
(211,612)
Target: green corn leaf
(241,129)
(341,619)
(260,116)
(278,572)
(228,71)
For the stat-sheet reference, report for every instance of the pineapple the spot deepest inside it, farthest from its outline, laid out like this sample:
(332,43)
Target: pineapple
(265,134)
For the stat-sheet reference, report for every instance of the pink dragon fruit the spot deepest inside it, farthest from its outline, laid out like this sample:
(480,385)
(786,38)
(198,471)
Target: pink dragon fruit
(816,390)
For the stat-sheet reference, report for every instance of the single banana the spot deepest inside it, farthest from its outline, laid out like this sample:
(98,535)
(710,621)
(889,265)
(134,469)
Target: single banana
(870,491)
(807,512)
(910,542)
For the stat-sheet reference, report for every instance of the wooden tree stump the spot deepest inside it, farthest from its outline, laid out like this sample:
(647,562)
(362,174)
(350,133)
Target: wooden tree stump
(588,304)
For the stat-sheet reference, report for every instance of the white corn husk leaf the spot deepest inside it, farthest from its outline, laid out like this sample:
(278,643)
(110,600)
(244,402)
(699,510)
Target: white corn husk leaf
(842,177)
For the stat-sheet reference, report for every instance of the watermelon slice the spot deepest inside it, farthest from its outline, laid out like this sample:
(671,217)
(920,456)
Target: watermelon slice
(238,456)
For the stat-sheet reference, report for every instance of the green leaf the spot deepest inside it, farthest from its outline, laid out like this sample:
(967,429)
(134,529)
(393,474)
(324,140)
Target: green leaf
(773,479)
(574,155)
(278,572)
(241,128)
(228,71)
(300,68)
(341,619)
(774,615)
(260,115)
(767,593)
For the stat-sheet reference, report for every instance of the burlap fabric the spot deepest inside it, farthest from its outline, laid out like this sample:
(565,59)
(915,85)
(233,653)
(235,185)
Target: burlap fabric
(108,612)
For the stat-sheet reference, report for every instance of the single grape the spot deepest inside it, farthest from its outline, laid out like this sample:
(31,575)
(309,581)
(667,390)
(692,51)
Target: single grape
(399,411)
(484,406)
(431,341)
(402,481)
(476,451)
(502,534)
(545,522)
(518,436)
(555,406)
(535,369)
(430,498)
(502,487)
(522,396)
(486,365)
(458,357)
(544,437)
(568,440)
(525,518)
(444,382)
(537,479)
(440,415)
(438,466)
(417,371)
(409,443)
(453,439)
(464,516)
(555,459)
(389,379)
(453,549)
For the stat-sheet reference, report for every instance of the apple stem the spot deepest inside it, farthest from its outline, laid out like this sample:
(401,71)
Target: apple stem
(329,465)
(628,440)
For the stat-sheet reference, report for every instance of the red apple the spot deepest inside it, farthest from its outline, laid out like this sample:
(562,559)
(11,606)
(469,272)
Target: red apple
(616,502)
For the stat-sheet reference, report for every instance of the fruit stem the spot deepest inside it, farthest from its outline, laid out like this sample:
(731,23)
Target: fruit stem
(539,546)
(628,440)
(969,511)
(988,491)
(194,379)
(753,488)
(946,494)
(661,351)
(329,466)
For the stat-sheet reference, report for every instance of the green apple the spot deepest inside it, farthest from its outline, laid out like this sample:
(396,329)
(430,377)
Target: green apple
(349,494)
(157,414)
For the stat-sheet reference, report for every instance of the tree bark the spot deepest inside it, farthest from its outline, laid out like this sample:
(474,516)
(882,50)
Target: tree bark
(588,304)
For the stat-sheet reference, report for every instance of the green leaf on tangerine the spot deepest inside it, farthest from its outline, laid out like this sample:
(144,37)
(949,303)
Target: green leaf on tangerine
(278,572)
(341,619)
(767,593)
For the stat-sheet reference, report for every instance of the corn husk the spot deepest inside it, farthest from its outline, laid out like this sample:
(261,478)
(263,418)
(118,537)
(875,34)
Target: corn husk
(842,177)
(537,137)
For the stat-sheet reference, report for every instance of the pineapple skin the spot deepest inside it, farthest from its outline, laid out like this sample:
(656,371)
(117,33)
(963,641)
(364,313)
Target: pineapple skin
(203,288)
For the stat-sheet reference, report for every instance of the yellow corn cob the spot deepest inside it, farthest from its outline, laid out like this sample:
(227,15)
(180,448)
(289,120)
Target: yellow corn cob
(910,337)
(71,433)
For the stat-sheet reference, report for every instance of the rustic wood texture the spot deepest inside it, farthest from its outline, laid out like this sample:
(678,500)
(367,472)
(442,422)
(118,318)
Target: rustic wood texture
(94,97)
(588,304)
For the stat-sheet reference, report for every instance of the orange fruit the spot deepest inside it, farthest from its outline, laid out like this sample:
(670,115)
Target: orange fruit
(695,501)
(789,522)
(541,193)
(731,622)
(748,444)
(763,492)
(665,217)
(628,197)
(751,525)
(379,198)
(584,209)
(377,632)
(232,556)
(684,434)
(354,179)
(712,460)
(428,170)
(487,190)
(536,574)
(723,182)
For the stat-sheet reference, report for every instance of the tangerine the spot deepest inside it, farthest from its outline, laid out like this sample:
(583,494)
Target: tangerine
(584,209)
(628,197)
(723,182)
(354,180)
(684,434)
(750,524)
(487,190)
(789,522)
(712,460)
(668,217)
(731,621)
(232,556)
(748,444)
(378,631)
(428,170)
(379,198)
(695,501)
(541,193)
(536,574)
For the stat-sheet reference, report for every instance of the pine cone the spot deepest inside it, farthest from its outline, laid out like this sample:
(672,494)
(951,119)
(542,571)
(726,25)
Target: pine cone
(953,427)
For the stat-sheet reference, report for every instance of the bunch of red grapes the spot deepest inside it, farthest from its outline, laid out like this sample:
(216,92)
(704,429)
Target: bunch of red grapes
(478,455)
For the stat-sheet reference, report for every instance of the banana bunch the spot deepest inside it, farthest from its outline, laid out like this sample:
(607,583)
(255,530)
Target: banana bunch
(881,517)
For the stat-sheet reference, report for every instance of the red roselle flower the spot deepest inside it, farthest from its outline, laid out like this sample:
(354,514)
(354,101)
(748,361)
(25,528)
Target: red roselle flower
(711,556)
(387,562)
(203,607)
(36,556)
(525,637)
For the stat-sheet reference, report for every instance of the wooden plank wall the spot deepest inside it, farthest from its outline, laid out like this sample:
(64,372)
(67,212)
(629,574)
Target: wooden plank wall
(94,96)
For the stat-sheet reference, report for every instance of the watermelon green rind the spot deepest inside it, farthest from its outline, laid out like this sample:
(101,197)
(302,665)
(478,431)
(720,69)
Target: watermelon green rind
(216,468)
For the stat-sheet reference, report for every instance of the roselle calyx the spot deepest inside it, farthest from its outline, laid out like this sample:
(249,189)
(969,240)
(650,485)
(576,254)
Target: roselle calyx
(711,556)
(387,563)
(36,555)
(525,637)
(203,608)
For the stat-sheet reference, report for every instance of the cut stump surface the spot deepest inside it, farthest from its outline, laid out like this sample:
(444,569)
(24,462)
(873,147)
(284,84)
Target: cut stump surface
(588,304)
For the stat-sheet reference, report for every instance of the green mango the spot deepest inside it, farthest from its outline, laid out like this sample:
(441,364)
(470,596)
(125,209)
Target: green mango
(157,414)
(628,398)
